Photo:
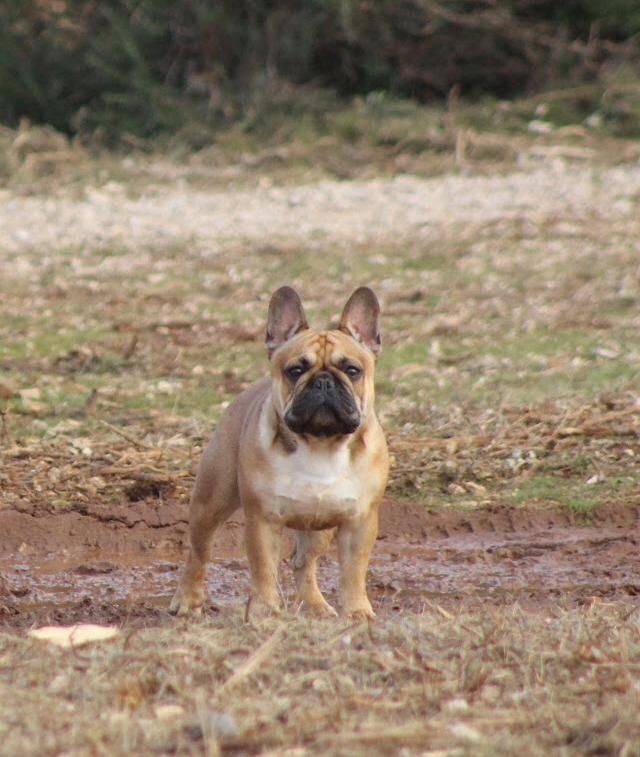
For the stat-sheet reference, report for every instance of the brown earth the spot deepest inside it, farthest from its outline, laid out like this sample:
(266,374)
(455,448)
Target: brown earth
(120,564)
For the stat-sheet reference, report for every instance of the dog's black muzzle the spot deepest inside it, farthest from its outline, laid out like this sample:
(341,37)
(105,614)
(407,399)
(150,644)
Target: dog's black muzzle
(325,407)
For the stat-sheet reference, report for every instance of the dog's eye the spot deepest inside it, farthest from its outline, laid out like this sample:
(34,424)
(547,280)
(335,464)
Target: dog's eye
(295,372)
(353,371)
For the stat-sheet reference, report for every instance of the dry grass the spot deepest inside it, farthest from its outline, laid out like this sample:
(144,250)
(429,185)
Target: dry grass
(502,682)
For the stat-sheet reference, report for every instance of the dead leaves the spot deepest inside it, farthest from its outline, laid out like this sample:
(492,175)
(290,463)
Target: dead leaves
(513,443)
(68,637)
(8,389)
(69,472)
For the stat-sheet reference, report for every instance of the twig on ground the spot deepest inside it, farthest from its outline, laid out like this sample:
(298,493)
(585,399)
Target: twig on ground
(4,431)
(262,653)
(124,435)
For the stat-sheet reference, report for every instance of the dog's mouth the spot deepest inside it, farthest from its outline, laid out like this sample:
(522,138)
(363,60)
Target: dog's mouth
(325,408)
(324,422)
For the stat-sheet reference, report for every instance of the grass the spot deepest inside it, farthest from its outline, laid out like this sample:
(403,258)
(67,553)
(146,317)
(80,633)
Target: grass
(553,490)
(306,133)
(504,681)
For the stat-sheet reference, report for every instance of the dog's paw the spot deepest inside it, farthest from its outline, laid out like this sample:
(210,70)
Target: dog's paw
(318,608)
(360,610)
(186,604)
(260,608)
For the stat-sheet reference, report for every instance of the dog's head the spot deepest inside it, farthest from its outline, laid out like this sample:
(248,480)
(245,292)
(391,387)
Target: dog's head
(323,381)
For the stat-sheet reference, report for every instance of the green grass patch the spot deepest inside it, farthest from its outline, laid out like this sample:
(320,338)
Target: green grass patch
(578,497)
(50,341)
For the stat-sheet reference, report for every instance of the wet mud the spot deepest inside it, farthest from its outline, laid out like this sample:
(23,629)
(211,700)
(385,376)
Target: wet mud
(121,565)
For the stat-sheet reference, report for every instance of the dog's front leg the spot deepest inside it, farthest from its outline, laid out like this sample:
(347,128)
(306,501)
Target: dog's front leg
(263,551)
(355,543)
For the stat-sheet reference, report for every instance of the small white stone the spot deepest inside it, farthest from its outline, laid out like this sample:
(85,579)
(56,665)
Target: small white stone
(457,705)
(168,711)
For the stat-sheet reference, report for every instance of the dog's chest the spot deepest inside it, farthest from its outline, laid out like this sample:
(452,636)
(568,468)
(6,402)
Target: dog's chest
(314,486)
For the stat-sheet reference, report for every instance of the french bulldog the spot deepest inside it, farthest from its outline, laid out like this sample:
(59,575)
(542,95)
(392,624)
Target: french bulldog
(302,449)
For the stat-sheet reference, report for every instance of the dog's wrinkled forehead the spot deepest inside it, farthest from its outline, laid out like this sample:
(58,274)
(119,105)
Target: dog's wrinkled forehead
(321,349)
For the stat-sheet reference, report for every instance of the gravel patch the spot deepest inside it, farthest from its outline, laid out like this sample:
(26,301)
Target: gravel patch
(358,212)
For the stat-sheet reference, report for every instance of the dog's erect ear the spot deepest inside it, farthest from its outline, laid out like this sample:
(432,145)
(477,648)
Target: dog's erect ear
(361,319)
(286,318)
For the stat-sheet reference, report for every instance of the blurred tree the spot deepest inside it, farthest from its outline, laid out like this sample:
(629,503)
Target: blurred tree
(147,66)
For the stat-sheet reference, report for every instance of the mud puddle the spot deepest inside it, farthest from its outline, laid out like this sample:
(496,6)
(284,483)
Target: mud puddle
(451,559)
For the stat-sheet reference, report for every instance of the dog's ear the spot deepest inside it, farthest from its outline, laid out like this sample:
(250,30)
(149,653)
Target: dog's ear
(286,318)
(361,319)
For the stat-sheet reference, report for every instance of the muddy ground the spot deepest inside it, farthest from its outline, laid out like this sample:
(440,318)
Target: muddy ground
(120,565)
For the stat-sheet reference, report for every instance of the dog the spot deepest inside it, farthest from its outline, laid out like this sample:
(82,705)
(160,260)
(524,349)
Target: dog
(302,449)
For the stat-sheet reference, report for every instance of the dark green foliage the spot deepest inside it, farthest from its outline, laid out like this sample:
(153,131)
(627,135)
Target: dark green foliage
(148,66)
(614,19)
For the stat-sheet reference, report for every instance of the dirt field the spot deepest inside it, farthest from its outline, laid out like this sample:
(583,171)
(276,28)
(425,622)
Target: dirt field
(507,573)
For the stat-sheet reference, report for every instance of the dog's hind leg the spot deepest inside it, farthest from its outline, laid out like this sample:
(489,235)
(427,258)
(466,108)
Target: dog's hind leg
(310,546)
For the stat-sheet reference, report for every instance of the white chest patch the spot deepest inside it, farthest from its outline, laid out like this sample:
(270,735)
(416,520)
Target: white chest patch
(313,485)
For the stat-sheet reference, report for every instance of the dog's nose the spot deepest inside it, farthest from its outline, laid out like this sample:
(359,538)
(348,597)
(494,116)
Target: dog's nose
(323,382)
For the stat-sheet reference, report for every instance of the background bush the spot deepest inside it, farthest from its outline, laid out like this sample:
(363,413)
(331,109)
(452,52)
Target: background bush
(146,66)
